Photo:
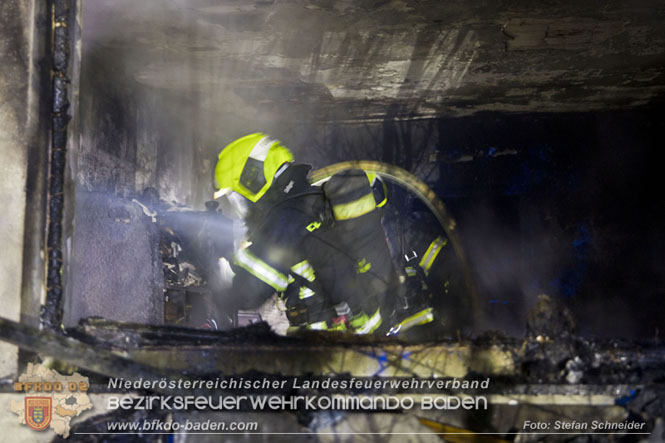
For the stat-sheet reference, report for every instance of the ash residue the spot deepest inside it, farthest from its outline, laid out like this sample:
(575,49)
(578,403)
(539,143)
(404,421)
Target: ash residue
(553,353)
(549,318)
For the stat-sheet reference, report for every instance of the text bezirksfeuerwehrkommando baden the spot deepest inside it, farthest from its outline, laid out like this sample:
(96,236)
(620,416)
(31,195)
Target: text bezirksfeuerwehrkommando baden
(295,402)
(337,401)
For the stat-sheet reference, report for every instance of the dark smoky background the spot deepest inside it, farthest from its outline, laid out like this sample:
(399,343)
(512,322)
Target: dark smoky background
(566,205)
(550,196)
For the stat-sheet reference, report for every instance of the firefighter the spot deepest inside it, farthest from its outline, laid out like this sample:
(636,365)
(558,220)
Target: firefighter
(431,271)
(321,248)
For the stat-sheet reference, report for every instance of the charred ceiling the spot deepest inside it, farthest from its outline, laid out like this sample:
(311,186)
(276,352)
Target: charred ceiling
(403,58)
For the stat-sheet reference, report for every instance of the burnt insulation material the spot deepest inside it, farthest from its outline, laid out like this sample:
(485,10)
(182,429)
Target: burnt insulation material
(51,314)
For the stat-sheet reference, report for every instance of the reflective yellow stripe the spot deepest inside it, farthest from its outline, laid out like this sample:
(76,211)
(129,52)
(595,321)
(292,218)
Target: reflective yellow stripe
(261,270)
(432,251)
(313,226)
(305,270)
(372,179)
(358,320)
(341,327)
(369,325)
(421,318)
(354,209)
(410,271)
(305,292)
(363,266)
(318,326)
(385,195)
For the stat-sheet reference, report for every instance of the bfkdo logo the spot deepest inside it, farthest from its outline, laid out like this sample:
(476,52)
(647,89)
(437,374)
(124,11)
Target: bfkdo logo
(38,412)
(51,399)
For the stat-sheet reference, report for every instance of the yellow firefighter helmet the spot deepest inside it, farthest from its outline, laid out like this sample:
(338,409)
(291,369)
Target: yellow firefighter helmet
(248,166)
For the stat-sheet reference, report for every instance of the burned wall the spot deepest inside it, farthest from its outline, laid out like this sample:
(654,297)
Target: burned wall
(133,138)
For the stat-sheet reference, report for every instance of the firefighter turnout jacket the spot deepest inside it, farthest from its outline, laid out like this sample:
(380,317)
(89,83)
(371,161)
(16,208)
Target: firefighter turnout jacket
(322,249)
